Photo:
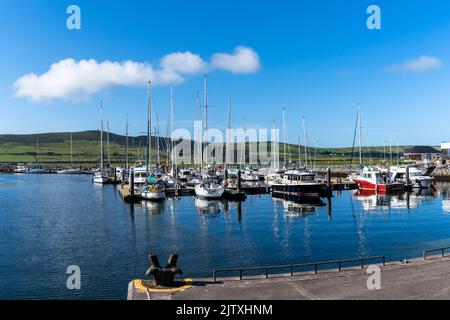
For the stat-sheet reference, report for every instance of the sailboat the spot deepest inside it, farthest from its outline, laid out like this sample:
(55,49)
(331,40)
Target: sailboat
(373,178)
(153,189)
(209,187)
(101,176)
(36,169)
(70,170)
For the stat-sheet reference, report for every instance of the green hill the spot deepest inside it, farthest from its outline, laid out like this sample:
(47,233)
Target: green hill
(55,148)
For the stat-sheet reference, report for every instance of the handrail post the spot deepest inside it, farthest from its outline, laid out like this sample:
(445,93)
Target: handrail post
(267,273)
(292,270)
(240,274)
(384,261)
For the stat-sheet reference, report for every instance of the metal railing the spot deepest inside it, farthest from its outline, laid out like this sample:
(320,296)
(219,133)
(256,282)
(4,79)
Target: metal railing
(442,250)
(292,267)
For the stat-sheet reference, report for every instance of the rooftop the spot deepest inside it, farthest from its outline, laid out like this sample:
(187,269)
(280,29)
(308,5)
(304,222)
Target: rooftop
(421,149)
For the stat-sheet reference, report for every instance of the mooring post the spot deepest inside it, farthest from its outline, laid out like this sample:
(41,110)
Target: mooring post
(329,177)
(226,178)
(407,176)
(132,182)
(239,181)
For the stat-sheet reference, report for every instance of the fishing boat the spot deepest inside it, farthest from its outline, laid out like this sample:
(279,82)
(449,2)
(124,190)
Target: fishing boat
(101,176)
(153,189)
(372,178)
(417,180)
(297,184)
(210,186)
(376,179)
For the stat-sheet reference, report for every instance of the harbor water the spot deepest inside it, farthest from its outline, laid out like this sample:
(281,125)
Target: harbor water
(51,222)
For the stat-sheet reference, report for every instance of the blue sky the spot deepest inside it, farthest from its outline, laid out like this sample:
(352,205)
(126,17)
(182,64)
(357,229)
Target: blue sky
(316,59)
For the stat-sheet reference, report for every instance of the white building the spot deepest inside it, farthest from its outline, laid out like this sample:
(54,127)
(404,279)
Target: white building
(445,148)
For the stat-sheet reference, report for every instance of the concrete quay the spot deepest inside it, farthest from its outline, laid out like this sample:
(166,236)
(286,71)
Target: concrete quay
(415,280)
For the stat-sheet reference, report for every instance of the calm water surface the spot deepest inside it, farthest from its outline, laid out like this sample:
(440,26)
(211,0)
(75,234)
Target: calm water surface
(48,222)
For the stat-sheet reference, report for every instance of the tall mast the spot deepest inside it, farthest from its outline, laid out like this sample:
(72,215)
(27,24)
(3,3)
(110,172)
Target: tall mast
(198,144)
(171,132)
(205,120)
(275,153)
(157,140)
(229,113)
(305,136)
(101,137)
(149,125)
(108,145)
(360,135)
(284,139)
(71,150)
(126,144)
(244,148)
(37,149)
(206,107)
(299,151)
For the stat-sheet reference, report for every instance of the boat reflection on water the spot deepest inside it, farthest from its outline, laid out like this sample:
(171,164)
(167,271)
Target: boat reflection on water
(300,206)
(371,200)
(153,207)
(445,193)
(209,207)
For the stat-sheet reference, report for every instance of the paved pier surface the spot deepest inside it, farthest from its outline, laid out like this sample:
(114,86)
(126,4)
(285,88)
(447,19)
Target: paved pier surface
(415,280)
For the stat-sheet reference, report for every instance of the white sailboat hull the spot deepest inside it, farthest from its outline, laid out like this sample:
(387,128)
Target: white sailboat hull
(100,179)
(213,192)
(69,171)
(153,196)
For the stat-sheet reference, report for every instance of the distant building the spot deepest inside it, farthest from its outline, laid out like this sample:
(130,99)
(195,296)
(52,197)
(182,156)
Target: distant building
(422,153)
(445,149)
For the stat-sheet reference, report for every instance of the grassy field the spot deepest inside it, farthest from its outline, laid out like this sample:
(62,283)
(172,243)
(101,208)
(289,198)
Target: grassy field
(55,148)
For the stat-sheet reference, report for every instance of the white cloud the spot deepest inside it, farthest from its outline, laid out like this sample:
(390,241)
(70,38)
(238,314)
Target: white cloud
(183,62)
(417,65)
(242,60)
(73,80)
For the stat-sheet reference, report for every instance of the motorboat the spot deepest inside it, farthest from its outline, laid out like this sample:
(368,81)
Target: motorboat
(416,178)
(297,183)
(376,179)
